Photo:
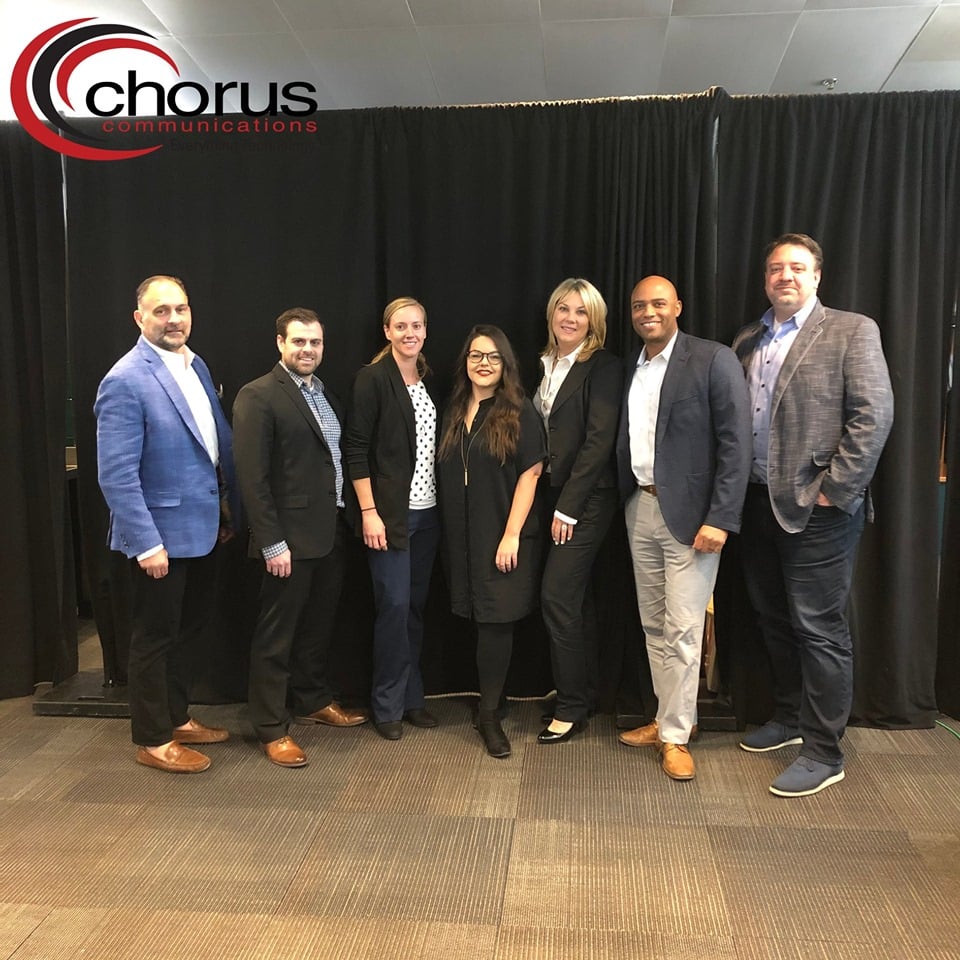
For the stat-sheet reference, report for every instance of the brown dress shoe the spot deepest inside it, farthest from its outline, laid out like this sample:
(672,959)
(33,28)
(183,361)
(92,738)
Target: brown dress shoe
(676,761)
(647,736)
(285,753)
(335,716)
(177,759)
(641,736)
(198,733)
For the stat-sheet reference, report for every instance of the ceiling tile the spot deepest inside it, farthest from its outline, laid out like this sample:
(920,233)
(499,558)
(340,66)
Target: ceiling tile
(187,18)
(344,14)
(260,60)
(860,47)
(739,53)
(465,12)
(603,58)
(940,37)
(864,4)
(372,68)
(925,75)
(717,8)
(493,63)
(602,9)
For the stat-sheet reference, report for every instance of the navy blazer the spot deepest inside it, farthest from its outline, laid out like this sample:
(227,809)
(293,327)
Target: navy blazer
(154,471)
(582,431)
(285,467)
(381,444)
(703,438)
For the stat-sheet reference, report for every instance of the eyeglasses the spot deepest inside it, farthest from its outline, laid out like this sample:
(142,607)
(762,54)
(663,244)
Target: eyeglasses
(494,359)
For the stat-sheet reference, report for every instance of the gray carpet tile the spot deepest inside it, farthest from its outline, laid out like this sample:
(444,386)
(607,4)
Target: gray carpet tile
(314,937)
(404,867)
(635,878)
(534,943)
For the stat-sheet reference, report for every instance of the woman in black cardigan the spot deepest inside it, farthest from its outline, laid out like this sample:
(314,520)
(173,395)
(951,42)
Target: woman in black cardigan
(579,400)
(390,449)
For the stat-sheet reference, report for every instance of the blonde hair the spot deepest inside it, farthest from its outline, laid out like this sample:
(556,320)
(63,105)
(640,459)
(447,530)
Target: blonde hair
(596,316)
(391,308)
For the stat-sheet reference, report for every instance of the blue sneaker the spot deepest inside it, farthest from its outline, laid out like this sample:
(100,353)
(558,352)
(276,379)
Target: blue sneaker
(771,736)
(805,777)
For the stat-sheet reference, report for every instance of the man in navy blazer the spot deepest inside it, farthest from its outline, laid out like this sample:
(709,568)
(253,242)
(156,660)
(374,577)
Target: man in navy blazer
(287,429)
(683,459)
(165,466)
(822,409)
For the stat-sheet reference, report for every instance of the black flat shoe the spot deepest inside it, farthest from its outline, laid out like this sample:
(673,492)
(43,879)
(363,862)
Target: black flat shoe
(494,738)
(419,717)
(546,735)
(389,729)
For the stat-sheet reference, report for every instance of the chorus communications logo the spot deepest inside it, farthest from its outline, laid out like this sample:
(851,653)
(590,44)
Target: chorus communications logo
(44,68)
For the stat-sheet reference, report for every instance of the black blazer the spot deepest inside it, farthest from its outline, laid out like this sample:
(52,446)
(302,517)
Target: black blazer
(582,431)
(381,443)
(285,468)
(704,440)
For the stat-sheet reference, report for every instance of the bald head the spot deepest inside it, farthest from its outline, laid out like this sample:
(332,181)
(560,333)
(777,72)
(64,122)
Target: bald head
(654,308)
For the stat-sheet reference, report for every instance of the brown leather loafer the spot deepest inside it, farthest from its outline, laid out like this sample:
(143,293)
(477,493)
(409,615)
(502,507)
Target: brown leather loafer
(177,759)
(676,761)
(285,753)
(198,733)
(648,736)
(333,715)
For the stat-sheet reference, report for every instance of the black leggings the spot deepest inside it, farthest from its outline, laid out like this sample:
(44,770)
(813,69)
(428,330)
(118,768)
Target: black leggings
(494,647)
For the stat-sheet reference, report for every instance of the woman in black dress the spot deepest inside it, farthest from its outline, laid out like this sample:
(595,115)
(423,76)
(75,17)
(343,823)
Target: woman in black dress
(491,453)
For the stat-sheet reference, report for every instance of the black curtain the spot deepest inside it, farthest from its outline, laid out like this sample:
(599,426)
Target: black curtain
(37,589)
(874,178)
(478,212)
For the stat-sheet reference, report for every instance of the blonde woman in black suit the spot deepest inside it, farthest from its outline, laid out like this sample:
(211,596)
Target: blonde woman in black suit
(390,450)
(579,400)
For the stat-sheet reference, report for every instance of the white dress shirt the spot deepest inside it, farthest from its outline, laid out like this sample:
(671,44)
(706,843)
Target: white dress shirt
(643,404)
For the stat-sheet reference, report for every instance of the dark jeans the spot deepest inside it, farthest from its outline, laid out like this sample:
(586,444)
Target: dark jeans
(401,579)
(566,581)
(290,648)
(170,616)
(799,584)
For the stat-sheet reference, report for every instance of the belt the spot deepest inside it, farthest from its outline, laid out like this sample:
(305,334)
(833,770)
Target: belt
(651,489)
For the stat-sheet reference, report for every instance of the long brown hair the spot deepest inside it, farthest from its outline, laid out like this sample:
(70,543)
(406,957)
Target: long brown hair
(501,427)
(596,316)
(391,308)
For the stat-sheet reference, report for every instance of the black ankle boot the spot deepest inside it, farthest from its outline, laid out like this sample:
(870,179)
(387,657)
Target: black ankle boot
(494,738)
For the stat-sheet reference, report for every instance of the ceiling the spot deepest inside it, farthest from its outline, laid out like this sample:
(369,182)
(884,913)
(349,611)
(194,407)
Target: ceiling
(363,53)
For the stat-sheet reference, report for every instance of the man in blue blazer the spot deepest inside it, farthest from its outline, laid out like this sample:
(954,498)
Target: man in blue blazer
(822,409)
(683,459)
(165,466)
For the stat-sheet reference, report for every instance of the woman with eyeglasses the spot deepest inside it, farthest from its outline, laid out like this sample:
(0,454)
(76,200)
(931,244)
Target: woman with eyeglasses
(579,401)
(390,450)
(491,453)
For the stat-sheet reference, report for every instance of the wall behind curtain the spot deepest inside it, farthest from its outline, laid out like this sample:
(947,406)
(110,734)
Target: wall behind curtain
(478,212)
(875,179)
(37,592)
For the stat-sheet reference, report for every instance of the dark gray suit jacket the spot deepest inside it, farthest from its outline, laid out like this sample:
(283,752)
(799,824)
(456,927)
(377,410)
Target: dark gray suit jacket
(703,440)
(832,412)
(285,467)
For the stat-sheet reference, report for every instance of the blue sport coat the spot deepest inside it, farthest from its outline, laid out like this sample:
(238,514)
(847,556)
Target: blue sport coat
(153,468)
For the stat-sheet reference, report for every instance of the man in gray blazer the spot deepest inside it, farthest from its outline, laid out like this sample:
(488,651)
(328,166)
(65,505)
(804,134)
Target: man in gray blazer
(822,409)
(683,459)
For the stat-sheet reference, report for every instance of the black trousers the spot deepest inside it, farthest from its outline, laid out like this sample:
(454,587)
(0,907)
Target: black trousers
(290,649)
(566,580)
(170,617)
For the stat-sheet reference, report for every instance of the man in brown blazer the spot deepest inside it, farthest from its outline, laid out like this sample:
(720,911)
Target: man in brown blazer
(822,410)
(287,450)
